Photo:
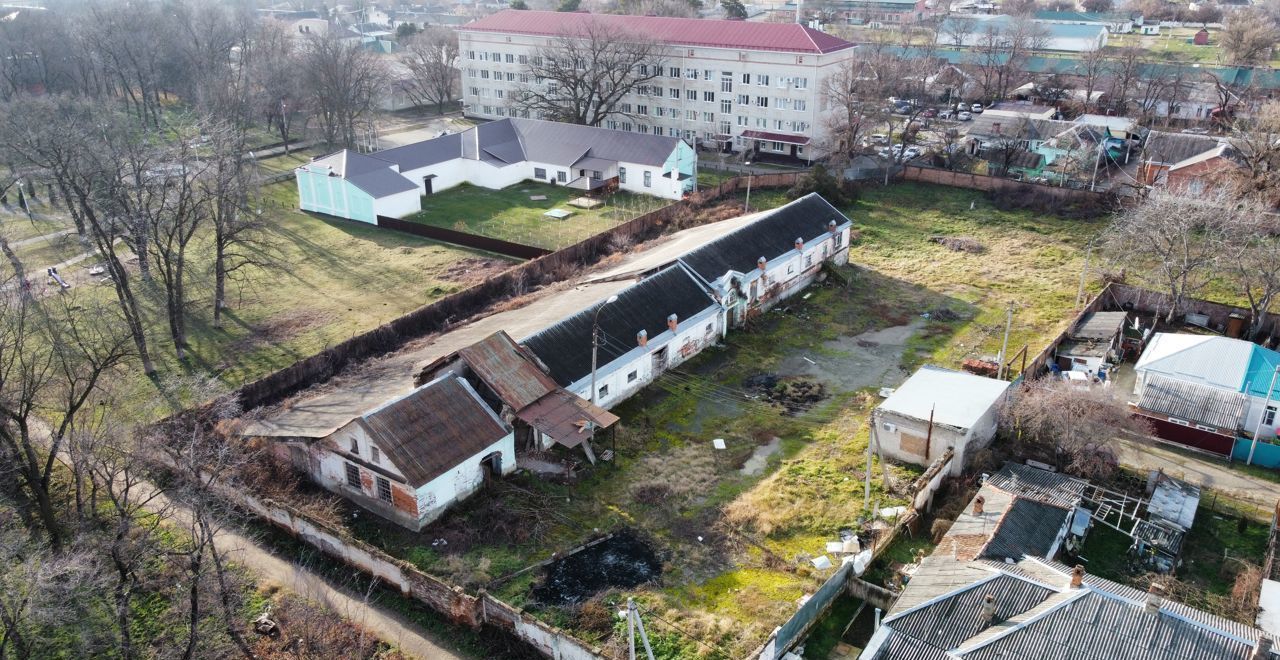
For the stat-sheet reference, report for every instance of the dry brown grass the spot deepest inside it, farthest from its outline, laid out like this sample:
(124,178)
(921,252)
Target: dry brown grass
(679,474)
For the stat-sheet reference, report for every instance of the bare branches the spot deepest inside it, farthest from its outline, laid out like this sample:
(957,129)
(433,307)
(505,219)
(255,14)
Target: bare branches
(343,81)
(431,57)
(582,78)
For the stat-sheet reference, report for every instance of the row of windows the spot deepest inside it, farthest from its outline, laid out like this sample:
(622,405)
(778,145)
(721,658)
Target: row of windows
(782,102)
(708,75)
(383,484)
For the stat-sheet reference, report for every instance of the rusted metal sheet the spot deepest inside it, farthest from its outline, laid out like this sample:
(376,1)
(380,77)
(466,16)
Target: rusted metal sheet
(566,417)
(505,368)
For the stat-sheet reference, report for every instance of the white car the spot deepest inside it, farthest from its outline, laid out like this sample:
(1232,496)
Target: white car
(976,108)
(911,153)
(964,116)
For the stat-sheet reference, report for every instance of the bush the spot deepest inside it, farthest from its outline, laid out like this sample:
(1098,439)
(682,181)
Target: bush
(819,180)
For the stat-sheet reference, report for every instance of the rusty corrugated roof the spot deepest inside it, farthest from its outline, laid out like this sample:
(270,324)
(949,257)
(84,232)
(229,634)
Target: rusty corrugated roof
(562,415)
(434,428)
(504,367)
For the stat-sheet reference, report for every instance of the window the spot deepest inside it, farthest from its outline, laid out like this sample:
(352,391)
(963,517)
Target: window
(691,74)
(744,99)
(471,73)
(782,103)
(644,69)
(762,80)
(673,92)
(1202,427)
(355,446)
(1179,422)
(626,108)
(471,54)
(626,126)
(725,127)
(562,176)
(631,377)
(726,81)
(524,78)
(643,129)
(778,146)
(742,120)
(673,72)
(353,476)
(622,171)
(726,106)
(642,109)
(800,83)
(523,59)
(1269,417)
(762,122)
(808,260)
(691,95)
(540,173)
(511,77)
(537,60)
(709,117)
(475,91)
(709,97)
(612,124)
(673,131)
(746,79)
(691,115)
(603,392)
(798,105)
(375,456)
(762,101)
(707,74)
(484,73)
(791,269)
(488,109)
(648,178)
(497,57)
(511,58)
(839,238)
(708,330)
(777,124)
(659,111)
(384,489)
(499,93)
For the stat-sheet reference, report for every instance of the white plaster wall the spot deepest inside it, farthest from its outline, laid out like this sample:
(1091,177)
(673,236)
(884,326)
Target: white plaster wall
(464,479)
(399,204)
(943,437)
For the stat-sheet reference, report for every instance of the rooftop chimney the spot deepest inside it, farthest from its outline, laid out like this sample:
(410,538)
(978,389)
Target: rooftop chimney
(988,609)
(1155,598)
(761,263)
(673,322)
(1077,577)
(977,505)
(642,338)
(831,226)
(1263,650)
(799,244)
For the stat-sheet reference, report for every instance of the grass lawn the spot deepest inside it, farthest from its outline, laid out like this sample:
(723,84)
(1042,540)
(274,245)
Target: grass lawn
(16,226)
(322,280)
(295,159)
(509,214)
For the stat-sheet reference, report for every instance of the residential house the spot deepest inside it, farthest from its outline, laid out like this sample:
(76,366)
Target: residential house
(938,409)
(299,24)
(1181,161)
(495,155)
(1115,23)
(423,19)
(411,458)
(1058,36)
(1092,343)
(1205,390)
(672,315)
(991,589)
(1195,101)
(1019,110)
(740,85)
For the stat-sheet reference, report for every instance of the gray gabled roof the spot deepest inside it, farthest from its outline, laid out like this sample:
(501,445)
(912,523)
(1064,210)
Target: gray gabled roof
(1170,148)
(1041,485)
(1100,325)
(1027,528)
(372,175)
(1192,401)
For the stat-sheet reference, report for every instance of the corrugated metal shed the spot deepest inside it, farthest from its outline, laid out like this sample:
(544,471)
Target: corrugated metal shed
(1041,485)
(951,620)
(953,398)
(564,416)
(1175,501)
(746,35)
(1100,326)
(772,235)
(1193,402)
(434,429)
(566,346)
(503,366)
(1027,528)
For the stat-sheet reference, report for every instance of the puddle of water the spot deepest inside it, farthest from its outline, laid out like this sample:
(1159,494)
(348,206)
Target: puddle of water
(623,561)
(760,457)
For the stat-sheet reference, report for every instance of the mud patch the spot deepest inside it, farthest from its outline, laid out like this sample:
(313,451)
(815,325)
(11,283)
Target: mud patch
(623,561)
(849,363)
(473,269)
(795,395)
(760,457)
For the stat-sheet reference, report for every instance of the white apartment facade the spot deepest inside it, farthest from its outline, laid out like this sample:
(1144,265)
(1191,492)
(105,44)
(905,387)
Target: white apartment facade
(735,85)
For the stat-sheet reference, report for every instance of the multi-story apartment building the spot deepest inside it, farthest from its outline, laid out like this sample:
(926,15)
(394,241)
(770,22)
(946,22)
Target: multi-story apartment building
(734,85)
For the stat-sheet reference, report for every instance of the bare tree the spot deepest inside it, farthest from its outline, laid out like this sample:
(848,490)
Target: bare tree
(1070,425)
(1175,237)
(274,63)
(343,82)
(1091,67)
(1248,36)
(1256,140)
(229,187)
(583,76)
(431,57)
(1252,257)
(957,28)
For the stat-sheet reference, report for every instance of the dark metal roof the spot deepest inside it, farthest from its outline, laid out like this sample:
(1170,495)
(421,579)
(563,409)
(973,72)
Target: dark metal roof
(1170,148)
(1192,401)
(434,428)
(372,175)
(1027,528)
(565,348)
(899,646)
(1022,128)
(424,153)
(564,416)
(947,622)
(505,368)
(769,237)
(1100,325)
(1102,627)
(1040,485)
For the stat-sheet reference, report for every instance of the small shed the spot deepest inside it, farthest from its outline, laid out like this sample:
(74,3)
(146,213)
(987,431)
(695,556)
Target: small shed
(1092,342)
(1174,501)
(935,409)
(1201,37)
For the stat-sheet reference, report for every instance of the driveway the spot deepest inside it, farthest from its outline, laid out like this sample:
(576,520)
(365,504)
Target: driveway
(1206,472)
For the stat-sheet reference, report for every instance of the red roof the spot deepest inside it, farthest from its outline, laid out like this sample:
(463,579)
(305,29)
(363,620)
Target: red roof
(776,137)
(747,35)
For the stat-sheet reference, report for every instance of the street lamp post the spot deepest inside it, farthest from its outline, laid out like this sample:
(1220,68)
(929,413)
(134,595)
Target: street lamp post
(595,350)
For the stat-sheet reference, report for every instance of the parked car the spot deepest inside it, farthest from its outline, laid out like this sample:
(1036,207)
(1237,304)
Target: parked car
(929,113)
(961,107)
(911,152)
(976,108)
(947,114)
(879,138)
(964,116)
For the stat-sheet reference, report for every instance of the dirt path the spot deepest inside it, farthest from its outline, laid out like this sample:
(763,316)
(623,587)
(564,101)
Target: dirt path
(46,237)
(1205,472)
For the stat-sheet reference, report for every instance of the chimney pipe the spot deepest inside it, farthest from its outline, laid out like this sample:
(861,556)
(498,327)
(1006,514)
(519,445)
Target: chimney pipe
(1077,577)
(799,244)
(977,505)
(831,226)
(988,609)
(762,263)
(673,322)
(1263,650)
(1155,598)
(642,338)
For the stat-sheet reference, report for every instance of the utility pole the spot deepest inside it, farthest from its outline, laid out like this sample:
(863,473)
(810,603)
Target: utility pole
(746,208)
(633,623)
(595,350)
(1004,347)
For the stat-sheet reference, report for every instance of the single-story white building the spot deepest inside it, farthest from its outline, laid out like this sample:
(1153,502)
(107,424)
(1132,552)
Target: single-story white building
(411,458)
(936,409)
(496,155)
(1066,37)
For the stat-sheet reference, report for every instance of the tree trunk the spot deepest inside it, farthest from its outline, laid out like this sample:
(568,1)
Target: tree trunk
(123,595)
(219,285)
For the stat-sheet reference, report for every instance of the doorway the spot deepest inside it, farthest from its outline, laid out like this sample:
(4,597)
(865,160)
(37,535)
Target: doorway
(491,466)
(426,184)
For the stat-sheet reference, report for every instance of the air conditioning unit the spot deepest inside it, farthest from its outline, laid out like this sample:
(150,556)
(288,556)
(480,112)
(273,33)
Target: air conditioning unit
(890,428)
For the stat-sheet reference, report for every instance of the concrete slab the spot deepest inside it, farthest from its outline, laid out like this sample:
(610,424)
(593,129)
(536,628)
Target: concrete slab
(323,409)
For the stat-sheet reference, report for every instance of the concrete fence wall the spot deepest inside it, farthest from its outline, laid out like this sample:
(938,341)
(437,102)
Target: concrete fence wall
(490,244)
